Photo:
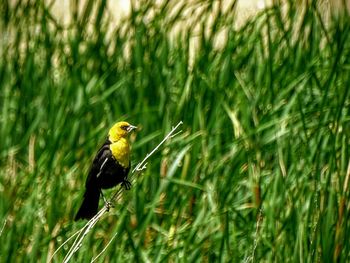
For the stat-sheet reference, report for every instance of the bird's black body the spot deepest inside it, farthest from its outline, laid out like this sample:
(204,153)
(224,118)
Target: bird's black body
(105,173)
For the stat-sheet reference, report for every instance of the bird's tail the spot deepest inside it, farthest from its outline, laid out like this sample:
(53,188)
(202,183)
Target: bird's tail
(89,206)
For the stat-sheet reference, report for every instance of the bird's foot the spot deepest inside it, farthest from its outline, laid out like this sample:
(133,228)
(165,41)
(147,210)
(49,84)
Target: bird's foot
(109,205)
(126,183)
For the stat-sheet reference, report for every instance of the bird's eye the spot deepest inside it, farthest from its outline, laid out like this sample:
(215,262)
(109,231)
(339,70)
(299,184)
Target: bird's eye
(124,127)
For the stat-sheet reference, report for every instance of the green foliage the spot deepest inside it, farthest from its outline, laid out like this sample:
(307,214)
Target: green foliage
(265,112)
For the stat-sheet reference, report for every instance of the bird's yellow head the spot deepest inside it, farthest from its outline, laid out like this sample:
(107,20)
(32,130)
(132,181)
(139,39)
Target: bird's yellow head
(120,130)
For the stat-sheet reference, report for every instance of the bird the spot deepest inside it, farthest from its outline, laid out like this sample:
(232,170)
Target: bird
(109,168)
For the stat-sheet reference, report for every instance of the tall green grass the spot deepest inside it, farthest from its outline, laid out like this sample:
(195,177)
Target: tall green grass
(265,112)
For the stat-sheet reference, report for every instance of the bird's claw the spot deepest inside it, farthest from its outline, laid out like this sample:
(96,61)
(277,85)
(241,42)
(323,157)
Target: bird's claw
(126,183)
(109,205)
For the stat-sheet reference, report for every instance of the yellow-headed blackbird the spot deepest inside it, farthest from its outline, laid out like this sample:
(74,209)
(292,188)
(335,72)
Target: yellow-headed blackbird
(109,168)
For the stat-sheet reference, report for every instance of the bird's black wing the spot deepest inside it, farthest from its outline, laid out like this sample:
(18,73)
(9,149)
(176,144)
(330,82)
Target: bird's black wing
(98,164)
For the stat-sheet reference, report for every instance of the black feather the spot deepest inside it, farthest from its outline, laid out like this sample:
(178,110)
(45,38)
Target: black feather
(105,173)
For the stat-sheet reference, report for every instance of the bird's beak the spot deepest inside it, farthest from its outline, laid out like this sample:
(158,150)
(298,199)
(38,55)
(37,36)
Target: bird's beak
(130,128)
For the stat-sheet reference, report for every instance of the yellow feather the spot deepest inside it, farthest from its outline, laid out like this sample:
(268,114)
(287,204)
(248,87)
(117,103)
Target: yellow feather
(119,144)
(117,132)
(121,152)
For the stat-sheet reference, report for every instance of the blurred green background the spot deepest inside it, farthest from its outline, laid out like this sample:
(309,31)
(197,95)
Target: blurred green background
(265,105)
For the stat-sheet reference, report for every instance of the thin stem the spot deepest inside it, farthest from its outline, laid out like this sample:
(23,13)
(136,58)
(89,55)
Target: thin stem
(65,242)
(104,249)
(3,226)
(155,149)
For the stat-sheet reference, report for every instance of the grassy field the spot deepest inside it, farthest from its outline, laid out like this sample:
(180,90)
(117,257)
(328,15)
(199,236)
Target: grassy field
(259,173)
